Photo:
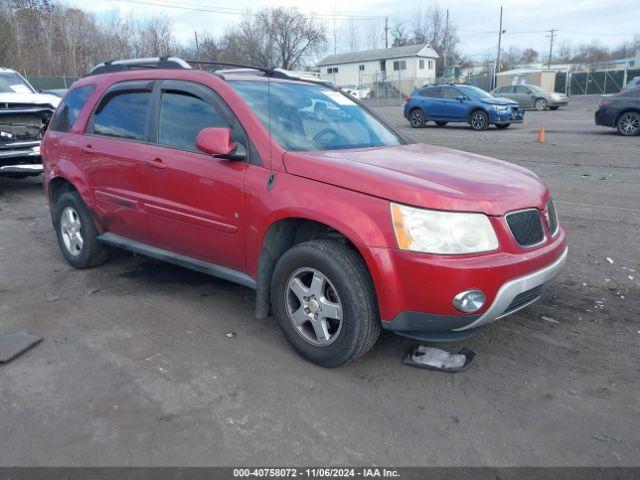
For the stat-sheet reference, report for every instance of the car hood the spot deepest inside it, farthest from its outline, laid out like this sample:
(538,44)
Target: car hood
(425,176)
(36,99)
(498,101)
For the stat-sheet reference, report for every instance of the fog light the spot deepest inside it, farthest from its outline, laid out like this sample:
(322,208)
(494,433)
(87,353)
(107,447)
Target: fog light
(469,301)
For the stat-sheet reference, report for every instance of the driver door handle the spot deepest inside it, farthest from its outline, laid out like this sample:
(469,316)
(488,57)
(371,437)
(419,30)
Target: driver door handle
(157,163)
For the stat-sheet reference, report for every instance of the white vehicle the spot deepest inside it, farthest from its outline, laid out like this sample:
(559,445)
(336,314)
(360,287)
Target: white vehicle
(24,116)
(361,92)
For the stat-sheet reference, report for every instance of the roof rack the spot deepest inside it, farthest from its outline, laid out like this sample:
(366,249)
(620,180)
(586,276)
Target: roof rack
(138,63)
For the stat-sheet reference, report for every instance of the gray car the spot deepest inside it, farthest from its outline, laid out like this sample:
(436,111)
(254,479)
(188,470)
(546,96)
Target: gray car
(532,96)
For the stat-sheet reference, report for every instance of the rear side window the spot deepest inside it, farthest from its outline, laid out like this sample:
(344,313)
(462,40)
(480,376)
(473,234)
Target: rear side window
(450,93)
(434,92)
(182,116)
(70,107)
(122,115)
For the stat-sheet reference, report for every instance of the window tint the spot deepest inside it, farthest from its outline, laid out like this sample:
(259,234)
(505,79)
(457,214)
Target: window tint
(450,93)
(521,89)
(70,107)
(433,92)
(122,116)
(182,116)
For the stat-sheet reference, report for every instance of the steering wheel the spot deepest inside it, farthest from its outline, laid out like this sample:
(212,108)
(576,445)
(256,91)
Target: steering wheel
(317,138)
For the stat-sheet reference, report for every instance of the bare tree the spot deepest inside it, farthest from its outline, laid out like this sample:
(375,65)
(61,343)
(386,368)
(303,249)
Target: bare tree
(352,30)
(433,28)
(373,34)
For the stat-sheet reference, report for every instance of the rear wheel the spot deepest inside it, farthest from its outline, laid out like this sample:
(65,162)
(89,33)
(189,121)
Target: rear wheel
(441,124)
(77,233)
(540,104)
(502,126)
(479,120)
(628,124)
(417,118)
(324,301)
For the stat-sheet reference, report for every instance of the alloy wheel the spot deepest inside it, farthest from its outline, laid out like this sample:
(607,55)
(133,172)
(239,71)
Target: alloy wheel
(70,228)
(629,124)
(478,121)
(417,119)
(313,307)
(541,104)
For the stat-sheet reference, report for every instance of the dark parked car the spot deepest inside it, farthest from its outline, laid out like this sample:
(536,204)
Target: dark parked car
(621,111)
(460,103)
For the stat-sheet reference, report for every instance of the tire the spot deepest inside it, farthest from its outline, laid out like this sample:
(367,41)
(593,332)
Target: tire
(502,126)
(339,279)
(417,118)
(70,218)
(628,124)
(554,108)
(441,124)
(540,104)
(479,120)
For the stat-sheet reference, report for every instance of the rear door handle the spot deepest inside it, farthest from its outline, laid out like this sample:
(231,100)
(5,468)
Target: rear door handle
(157,163)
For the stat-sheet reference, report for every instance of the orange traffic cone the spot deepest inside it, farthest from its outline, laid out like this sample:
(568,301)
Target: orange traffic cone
(541,138)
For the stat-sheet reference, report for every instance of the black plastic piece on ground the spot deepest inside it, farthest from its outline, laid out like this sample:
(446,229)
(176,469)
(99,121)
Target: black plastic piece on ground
(15,344)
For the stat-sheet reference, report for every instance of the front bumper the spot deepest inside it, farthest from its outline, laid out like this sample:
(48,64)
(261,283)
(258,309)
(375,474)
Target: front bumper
(20,158)
(515,115)
(519,293)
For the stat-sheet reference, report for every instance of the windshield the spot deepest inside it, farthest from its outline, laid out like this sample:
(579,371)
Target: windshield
(474,92)
(313,117)
(13,83)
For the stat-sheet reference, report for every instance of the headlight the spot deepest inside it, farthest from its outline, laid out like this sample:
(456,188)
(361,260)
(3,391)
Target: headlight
(556,97)
(500,107)
(433,231)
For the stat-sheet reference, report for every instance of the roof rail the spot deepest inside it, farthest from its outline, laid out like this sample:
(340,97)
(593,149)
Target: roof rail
(239,68)
(138,63)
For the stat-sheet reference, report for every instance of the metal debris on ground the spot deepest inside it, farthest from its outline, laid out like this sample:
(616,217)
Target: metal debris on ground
(439,360)
(549,319)
(14,344)
(52,297)
(230,334)
(610,260)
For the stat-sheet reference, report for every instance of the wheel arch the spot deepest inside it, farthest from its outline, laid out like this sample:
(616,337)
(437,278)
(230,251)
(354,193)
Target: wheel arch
(282,234)
(627,110)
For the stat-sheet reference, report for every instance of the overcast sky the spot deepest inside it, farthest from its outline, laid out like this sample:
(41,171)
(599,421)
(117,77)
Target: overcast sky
(609,21)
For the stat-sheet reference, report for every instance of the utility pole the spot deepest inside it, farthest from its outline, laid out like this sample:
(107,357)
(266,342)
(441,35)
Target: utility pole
(446,42)
(497,69)
(195,34)
(386,32)
(551,36)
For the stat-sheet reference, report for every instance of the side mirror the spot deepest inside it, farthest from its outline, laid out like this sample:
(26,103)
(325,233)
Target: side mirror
(461,98)
(216,141)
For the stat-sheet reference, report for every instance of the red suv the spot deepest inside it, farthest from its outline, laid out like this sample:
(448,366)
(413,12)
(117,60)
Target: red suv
(342,225)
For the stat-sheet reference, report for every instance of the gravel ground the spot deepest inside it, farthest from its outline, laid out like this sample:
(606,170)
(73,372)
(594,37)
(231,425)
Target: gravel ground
(135,367)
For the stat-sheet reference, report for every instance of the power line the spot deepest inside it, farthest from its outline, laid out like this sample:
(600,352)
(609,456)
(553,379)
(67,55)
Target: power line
(238,11)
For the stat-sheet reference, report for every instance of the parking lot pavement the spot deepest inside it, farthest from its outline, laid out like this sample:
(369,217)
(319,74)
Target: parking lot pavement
(135,367)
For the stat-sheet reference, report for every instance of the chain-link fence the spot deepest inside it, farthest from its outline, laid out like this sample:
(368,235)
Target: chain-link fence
(594,83)
(50,83)
(389,89)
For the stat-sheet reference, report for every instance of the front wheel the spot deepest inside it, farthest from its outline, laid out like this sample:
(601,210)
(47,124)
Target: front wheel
(77,233)
(417,118)
(479,120)
(324,301)
(540,104)
(628,124)
(502,126)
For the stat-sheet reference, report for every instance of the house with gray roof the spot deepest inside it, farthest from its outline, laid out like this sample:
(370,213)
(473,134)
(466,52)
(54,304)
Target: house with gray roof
(414,65)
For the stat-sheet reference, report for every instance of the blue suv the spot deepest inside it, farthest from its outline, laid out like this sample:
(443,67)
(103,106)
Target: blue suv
(460,103)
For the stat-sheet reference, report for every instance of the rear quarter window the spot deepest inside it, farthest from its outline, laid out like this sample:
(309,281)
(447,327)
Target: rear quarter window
(70,107)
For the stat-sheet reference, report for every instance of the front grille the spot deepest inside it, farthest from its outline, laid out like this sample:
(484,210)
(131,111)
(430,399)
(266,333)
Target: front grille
(526,227)
(525,297)
(552,217)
